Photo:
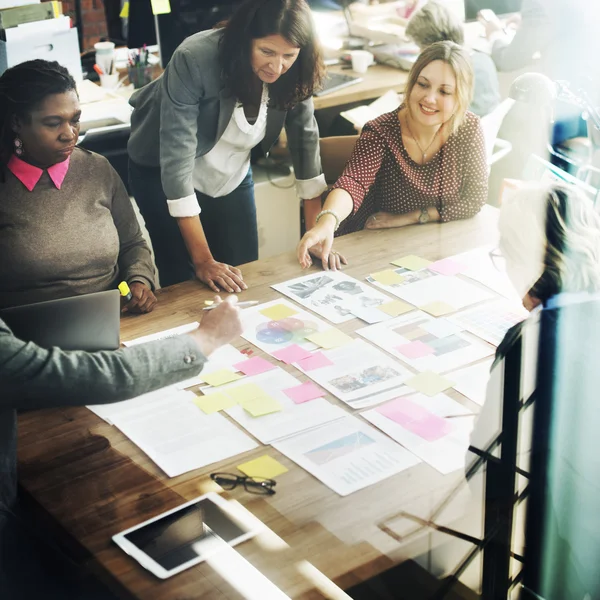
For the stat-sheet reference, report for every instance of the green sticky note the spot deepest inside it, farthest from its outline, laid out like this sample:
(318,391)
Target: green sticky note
(411,262)
(245,392)
(214,403)
(429,383)
(331,338)
(160,7)
(437,309)
(220,377)
(389,277)
(395,308)
(278,312)
(264,405)
(265,467)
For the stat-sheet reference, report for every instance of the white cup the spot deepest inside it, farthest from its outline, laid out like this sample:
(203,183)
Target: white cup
(105,56)
(109,81)
(361,60)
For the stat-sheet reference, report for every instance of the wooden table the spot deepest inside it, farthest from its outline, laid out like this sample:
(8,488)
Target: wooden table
(91,482)
(375,82)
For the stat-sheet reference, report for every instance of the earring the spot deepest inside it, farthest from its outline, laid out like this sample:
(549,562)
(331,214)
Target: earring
(19,151)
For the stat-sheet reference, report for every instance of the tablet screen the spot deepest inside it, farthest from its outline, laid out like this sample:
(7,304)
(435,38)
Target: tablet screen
(176,538)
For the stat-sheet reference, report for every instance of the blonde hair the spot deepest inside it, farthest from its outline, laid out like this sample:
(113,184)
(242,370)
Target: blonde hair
(572,256)
(435,23)
(453,55)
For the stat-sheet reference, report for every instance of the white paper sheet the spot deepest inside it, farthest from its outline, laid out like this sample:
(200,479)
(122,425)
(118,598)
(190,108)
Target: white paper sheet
(271,335)
(446,454)
(179,437)
(449,348)
(347,455)
(161,335)
(423,287)
(292,419)
(359,370)
(332,294)
(479,266)
(472,381)
(490,321)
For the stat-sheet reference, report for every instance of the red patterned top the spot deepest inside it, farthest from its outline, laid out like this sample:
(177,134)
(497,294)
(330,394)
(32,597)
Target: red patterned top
(381,177)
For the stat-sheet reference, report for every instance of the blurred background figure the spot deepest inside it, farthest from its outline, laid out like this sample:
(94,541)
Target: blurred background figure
(435,22)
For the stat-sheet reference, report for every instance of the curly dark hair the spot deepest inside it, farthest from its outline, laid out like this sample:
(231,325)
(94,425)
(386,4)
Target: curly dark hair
(22,89)
(292,20)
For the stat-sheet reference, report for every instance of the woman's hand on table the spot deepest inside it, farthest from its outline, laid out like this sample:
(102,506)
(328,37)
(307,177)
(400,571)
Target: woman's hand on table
(318,242)
(220,277)
(142,299)
(384,220)
(219,326)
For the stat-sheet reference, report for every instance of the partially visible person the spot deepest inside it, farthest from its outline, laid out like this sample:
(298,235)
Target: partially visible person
(424,162)
(435,22)
(67,226)
(223,93)
(32,378)
(550,246)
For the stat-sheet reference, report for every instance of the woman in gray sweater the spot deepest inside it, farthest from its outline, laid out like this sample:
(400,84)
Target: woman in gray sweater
(67,226)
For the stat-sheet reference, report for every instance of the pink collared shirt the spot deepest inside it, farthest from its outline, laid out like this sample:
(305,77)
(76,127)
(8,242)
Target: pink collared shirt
(29,175)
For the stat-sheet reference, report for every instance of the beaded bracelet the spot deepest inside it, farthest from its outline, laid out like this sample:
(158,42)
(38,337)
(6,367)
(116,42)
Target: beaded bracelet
(329,212)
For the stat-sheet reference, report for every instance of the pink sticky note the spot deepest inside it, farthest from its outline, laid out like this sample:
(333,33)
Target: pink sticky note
(446,266)
(416,349)
(317,360)
(254,366)
(416,419)
(291,354)
(303,393)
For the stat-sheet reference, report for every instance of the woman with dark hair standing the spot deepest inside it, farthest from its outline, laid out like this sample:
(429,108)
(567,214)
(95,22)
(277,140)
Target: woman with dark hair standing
(224,92)
(67,226)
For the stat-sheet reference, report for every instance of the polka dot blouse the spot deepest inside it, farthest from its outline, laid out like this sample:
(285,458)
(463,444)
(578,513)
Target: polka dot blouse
(381,177)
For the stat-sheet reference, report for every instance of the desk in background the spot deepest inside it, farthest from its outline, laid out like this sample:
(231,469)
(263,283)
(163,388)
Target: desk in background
(91,482)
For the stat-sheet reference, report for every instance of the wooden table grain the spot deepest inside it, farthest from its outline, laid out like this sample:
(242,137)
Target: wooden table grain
(90,482)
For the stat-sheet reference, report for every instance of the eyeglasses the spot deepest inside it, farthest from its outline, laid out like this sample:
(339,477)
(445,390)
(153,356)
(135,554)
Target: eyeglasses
(498,259)
(253,485)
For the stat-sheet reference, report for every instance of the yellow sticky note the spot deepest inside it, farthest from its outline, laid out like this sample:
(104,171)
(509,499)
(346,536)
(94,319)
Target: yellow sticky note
(411,262)
(265,467)
(389,277)
(437,309)
(264,405)
(278,312)
(331,338)
(160,7)
(220,377)
(214,403)
(395,308)
(245,392)
(125,11)
(429,383)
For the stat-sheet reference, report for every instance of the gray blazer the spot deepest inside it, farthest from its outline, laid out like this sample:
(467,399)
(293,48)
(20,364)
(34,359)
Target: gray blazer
(33,377)
(182,114)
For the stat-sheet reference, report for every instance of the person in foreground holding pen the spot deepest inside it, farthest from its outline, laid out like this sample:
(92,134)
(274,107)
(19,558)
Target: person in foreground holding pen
(424,162)
(32,377)
(68,226)
(223,93)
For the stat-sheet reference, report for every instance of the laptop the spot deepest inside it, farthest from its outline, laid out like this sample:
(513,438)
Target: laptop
(336,81)
(90,322)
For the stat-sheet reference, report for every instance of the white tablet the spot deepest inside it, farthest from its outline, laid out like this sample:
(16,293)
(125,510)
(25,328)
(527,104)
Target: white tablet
(185,536)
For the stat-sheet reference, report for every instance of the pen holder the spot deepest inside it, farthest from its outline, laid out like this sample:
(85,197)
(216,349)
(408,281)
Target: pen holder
(140,75)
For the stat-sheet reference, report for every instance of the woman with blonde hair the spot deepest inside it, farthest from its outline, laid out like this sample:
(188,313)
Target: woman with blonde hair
(423,162)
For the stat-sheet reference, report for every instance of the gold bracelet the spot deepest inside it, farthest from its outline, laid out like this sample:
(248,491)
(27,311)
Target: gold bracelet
(329,212)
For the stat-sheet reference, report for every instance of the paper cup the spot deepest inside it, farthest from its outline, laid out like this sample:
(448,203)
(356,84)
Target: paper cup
(109,81)
(361,60)
(105,56)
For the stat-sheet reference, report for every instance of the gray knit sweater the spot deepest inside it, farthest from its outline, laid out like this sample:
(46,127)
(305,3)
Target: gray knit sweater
(80,239)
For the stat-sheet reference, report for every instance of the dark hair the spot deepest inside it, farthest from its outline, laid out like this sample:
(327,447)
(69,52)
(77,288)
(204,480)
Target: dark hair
(292,20)
(22,89)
